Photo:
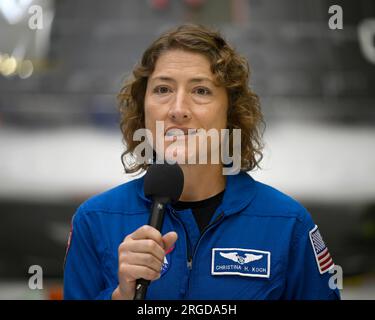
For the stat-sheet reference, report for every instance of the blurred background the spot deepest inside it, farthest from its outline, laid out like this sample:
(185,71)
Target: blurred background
(59,127)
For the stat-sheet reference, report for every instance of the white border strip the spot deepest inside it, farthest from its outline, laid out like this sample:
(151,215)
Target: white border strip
(268,253)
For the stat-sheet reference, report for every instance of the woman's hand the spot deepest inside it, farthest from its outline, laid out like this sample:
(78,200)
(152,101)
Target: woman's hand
(141,255)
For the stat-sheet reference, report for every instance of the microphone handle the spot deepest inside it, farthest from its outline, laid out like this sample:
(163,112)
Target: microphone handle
(156,220)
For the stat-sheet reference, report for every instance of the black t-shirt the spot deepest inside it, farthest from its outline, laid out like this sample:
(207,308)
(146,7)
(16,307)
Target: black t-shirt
(203,210)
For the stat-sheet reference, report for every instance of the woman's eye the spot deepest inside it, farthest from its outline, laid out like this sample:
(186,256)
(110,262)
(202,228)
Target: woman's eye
(161,90)
(203,91)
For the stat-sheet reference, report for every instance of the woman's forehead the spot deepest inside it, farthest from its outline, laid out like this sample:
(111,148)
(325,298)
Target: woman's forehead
(184,62)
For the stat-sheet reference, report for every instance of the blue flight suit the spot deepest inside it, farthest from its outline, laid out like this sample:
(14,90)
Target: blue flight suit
(260,244)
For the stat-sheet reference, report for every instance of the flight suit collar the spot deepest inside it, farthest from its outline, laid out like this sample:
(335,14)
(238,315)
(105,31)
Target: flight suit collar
(240,190)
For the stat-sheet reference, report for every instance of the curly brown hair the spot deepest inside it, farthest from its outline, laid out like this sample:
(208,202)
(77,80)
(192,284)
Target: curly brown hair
(230,70)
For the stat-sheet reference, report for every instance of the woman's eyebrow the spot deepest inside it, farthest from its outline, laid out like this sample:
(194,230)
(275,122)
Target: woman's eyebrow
(162,78)
(200,79)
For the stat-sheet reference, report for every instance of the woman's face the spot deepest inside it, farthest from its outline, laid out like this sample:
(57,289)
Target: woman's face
(181,92)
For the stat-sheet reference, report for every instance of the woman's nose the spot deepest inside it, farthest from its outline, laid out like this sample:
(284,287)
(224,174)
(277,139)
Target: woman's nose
(180,108)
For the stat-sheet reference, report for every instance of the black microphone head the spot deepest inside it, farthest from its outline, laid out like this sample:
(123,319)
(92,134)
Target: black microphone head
(164,180)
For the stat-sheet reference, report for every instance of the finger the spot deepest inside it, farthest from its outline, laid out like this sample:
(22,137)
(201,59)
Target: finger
(169,239)
(146,246)
(143,259)
(147,232)
(135,272)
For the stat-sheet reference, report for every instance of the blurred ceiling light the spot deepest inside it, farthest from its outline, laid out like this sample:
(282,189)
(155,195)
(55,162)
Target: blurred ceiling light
(25,69)
(14,10)
(8,66)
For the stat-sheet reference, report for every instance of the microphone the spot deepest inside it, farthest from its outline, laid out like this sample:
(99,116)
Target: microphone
(163,183)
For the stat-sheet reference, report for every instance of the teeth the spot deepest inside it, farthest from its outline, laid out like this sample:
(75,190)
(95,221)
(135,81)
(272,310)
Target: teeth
(174,132)
(179,132)
(192,131)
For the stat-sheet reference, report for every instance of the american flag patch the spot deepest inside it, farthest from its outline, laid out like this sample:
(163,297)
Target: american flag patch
(322,256)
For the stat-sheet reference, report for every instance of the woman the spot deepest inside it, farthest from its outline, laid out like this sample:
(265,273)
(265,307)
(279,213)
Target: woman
(229,236)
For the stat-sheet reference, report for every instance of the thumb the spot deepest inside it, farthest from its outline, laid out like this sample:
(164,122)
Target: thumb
(169,239)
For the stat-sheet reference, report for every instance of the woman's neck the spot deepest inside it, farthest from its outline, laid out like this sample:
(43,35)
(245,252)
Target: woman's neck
(202,181)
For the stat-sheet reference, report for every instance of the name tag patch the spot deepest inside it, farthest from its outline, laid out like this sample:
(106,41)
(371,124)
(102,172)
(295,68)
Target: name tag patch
(242,262)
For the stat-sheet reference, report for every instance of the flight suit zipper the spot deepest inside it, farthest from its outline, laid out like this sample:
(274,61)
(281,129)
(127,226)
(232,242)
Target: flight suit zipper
(204,231)
(218,218)
(188,244)
(190,255)
(189,252)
